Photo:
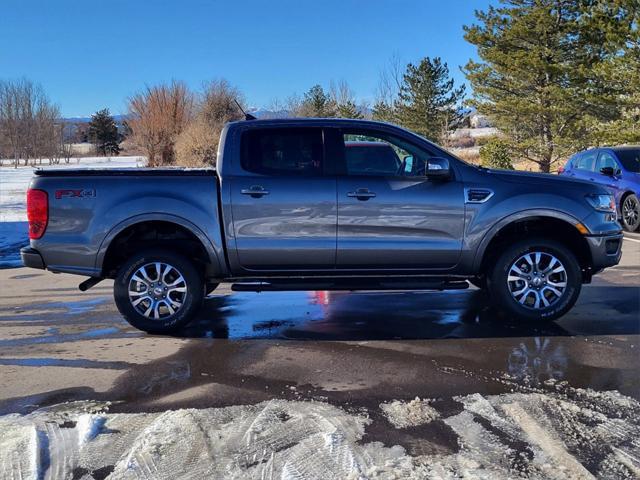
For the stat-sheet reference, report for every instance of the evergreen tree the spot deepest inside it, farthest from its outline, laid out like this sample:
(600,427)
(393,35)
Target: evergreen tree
(384,112)
(103,133)
(348,109)
(316,103)
(620,21)
(538,76)
(428,100)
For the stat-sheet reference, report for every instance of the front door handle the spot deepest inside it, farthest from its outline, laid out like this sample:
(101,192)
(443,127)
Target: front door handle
(256,191)
(361,194)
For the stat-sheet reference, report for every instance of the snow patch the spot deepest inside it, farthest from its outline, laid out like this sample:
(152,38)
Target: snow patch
(557,434)
(409,414)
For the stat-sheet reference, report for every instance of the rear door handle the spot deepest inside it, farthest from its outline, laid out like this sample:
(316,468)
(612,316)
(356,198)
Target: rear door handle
(361,194)
(256,191)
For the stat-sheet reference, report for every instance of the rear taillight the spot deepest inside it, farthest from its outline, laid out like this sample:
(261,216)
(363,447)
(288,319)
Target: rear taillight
(37,212)
(561,170)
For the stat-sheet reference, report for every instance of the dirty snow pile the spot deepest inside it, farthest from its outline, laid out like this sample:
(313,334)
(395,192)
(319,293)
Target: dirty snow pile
(409,414)
(562,433)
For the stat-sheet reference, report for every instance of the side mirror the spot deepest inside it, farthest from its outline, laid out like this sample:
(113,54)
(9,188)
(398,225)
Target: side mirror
(608,171)
(438,167)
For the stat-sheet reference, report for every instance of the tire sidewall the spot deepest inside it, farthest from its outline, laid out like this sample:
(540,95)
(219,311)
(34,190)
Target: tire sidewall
(502,296)
(192,302)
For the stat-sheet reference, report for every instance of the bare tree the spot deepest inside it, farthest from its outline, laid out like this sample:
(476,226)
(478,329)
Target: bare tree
(344,101)
(198,143)
(28,121)
(389,83)
(158,115)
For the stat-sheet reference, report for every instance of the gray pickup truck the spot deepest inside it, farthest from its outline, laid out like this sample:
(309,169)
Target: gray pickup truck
(321,204)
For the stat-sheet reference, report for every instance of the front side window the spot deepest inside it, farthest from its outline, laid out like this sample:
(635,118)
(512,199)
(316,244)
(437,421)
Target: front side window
(606,160)
(291,151)
(376,154)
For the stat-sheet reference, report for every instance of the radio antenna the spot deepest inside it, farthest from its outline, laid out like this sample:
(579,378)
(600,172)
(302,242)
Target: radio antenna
(247,116)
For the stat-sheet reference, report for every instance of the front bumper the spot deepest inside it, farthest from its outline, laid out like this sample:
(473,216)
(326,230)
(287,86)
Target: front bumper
(606,250)
(31,258)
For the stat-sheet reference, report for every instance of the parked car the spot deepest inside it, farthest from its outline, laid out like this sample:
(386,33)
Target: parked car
(618,170)
(295,205)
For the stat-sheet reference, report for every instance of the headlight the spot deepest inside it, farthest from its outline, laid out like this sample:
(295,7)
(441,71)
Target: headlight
(602,203)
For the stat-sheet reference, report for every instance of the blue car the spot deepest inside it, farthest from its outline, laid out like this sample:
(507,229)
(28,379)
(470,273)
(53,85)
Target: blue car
(616,168)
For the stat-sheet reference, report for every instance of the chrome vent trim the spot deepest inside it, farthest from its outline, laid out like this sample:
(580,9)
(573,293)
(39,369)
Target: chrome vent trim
(477,195)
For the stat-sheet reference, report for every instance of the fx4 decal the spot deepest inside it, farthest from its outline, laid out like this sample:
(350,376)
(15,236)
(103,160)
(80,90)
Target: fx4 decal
(75,193)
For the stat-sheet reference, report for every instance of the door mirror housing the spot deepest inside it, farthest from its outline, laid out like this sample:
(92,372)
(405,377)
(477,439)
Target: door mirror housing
(438,167)
(608,171)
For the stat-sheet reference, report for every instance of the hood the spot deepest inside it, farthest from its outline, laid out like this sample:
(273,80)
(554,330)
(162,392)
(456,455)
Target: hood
(548,179)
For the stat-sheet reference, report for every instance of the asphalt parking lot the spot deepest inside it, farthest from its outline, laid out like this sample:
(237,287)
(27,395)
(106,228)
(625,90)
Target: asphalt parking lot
(58,344)
(412,384)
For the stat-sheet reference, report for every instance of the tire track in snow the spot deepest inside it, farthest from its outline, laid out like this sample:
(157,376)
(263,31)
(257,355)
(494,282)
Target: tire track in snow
(517,435)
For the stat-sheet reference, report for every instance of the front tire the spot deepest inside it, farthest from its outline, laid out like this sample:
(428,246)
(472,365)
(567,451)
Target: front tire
(536,279)
(630,213)
(158,291)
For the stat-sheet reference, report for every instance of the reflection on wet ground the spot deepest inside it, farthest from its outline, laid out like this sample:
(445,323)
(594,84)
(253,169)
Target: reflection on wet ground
(398,315)
(350,348)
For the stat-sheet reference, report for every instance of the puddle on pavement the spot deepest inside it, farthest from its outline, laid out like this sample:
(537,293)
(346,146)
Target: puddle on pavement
(322,315)
(249,347)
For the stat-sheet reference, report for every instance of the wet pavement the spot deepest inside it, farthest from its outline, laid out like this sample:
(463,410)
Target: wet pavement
(352,349)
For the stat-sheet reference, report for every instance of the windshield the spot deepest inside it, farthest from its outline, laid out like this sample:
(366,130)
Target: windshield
(630,159)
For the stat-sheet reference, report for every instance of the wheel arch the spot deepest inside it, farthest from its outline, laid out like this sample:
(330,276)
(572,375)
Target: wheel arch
(208,253)
(554,224)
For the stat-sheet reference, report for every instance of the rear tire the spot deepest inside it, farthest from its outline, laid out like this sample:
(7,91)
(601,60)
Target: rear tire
(158,291)
(535,279)
(630,213)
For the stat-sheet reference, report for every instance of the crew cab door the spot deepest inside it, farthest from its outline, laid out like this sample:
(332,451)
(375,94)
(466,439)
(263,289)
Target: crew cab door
(391,213)
(283,205)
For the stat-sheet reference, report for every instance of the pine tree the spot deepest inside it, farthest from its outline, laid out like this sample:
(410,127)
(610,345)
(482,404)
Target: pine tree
(316,103)
(428,100)
(620,20)
(103,133)
(538,76)
(348,109)
(384,112)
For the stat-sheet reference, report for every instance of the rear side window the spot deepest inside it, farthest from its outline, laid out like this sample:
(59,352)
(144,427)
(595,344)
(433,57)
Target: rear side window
(290,151)
(585,161)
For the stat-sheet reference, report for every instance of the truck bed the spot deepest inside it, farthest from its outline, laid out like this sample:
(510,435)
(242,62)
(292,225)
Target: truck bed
(125,172)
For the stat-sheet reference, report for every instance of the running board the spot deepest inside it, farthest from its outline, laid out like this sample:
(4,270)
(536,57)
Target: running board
(347,284)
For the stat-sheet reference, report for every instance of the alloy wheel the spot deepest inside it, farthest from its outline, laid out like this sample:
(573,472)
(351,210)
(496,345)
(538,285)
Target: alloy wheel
(537,280)
(157,290)
(631,212)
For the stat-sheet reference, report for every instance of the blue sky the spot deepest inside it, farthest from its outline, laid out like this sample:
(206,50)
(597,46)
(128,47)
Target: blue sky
(92,54)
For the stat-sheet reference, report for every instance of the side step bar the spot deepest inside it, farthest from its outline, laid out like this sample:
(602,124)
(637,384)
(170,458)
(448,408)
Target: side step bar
(273,285)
